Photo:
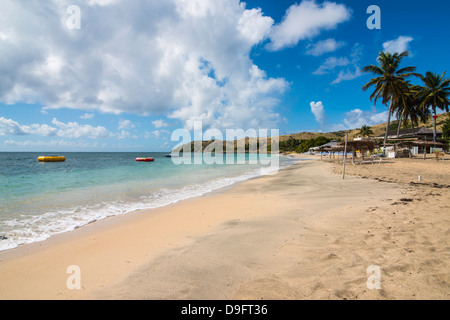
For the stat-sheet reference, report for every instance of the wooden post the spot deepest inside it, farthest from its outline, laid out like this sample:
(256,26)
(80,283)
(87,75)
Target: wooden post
(345,156)
(353,155)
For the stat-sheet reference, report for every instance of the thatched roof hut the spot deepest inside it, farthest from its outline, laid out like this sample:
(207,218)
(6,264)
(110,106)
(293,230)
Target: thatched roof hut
(337,148)
(351,145)
(424,144)
(359,145)
(427,144)
(421,132)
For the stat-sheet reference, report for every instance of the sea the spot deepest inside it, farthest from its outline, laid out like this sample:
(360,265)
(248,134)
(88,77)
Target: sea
(39,200)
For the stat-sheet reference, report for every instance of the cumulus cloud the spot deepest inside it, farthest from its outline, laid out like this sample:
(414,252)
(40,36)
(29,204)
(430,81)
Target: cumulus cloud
(324,46)
(253,26)
(125,124)
(74,130)
(398,45)
(9,127)
(160,124)
(318,111)
(143,57)
(307,20)
(357,118)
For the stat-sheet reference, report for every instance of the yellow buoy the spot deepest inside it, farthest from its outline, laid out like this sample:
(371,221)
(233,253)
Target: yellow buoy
(52,159)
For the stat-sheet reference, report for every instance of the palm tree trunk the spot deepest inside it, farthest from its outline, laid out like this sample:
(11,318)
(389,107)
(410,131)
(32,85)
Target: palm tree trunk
(413,127)
(434,125)
(400,124)
(388,124)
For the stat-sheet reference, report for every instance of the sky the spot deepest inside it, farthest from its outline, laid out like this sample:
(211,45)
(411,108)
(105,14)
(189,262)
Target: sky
(118,75)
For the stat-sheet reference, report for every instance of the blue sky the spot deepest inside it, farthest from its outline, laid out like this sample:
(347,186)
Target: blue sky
(132,72)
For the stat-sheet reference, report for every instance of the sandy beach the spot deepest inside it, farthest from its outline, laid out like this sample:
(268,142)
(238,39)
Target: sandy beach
(303,233)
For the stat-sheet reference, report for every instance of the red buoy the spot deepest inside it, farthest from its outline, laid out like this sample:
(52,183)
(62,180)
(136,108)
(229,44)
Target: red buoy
(145,159)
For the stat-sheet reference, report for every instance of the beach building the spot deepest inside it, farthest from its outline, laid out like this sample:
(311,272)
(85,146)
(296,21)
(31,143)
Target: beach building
(421,133)
(328,145)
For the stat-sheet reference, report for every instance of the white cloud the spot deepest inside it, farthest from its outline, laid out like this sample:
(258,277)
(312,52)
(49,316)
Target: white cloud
(352,70)
(253,26)
(125,124)
(398,45)
(87,116)
(126,135)
(74,130)
(357,118)
(347,75)
(318,110)
(160,124)
(9,127)
(330,64)
(101,3)
(142,57)
(306,20)
(157,133)
(324,46)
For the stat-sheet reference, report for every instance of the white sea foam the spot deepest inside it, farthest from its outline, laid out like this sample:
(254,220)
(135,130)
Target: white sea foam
(30,229)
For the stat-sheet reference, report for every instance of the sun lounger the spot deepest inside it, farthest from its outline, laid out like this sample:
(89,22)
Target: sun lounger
(372,160)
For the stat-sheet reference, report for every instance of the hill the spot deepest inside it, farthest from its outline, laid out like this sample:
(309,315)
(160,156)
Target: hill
(378,130)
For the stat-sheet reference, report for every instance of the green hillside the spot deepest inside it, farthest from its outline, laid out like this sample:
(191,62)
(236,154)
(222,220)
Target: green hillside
(304,140)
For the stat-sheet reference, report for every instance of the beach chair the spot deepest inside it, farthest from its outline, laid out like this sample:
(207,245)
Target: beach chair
(372,159)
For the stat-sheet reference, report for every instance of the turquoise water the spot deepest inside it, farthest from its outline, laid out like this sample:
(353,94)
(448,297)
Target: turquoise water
(38,200)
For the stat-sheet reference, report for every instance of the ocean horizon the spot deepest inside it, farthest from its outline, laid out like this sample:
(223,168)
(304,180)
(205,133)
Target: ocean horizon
(39,200)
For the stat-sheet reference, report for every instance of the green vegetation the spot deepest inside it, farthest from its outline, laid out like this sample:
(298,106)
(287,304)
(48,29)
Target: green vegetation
(302,146)
(365,131)
(435,94)
(407,101)
(390,84)
(446,128)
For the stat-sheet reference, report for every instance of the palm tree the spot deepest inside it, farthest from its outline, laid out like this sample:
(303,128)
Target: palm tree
(435,94)
(365,131)
(390,83)
(408,107)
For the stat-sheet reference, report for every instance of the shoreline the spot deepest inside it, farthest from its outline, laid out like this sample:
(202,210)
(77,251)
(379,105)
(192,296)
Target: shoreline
(27,251)
(130,207)
(299,234)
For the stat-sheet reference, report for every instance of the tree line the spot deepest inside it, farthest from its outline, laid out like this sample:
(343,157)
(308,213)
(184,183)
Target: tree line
(302,146)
